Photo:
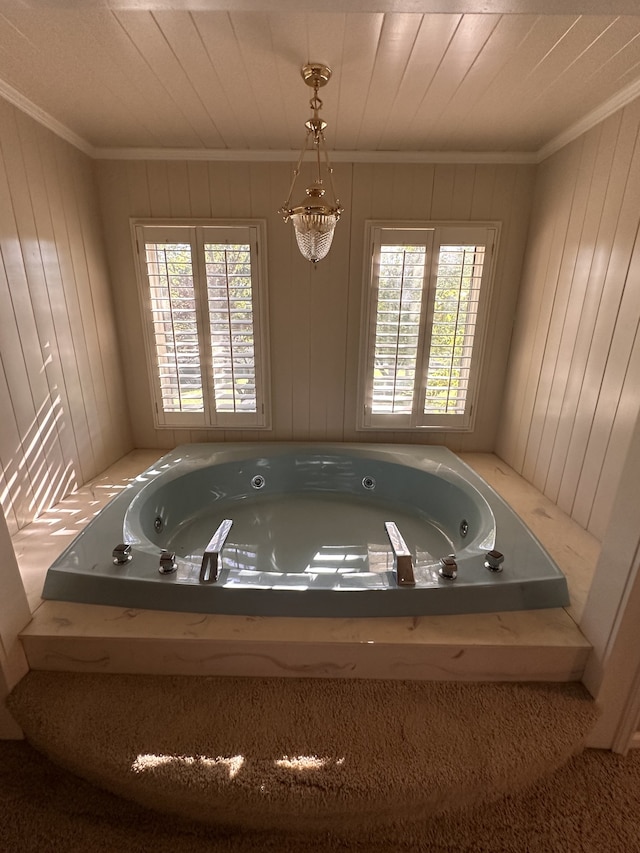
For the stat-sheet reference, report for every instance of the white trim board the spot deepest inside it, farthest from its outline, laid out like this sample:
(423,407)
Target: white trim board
(496,7)
(35,112)
(255,156)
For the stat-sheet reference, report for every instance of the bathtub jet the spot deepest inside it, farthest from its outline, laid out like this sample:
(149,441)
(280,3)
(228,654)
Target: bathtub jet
(308,530)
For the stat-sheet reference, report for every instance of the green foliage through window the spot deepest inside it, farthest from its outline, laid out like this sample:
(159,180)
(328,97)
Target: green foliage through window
(426,299)
(203,323)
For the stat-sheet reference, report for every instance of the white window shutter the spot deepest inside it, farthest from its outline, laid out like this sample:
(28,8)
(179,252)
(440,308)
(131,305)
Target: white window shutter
(426,294)
(172,302)
(204,321)
(453,326)
(231,325)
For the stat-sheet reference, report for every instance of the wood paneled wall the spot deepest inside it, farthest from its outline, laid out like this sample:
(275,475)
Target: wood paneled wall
(314,312)
(63,412)
(570,402)
(573,390)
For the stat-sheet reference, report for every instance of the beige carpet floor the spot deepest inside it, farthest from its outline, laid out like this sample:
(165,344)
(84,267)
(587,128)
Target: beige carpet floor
(590,805)
(361,760)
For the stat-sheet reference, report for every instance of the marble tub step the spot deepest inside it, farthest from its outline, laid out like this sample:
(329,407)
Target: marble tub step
(541,645)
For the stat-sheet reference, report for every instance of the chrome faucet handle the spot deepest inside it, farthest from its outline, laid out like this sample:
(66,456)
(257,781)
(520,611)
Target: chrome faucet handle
(121,554)
(167,562)
(494,560)
(210,558)
(448,568)
(401,554)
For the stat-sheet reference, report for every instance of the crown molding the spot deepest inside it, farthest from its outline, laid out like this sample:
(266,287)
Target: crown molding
(478,7)
(607,108)
(272,156)
(18,100)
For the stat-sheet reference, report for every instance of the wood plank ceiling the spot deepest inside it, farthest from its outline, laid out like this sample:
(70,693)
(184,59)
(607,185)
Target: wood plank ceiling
(194,79)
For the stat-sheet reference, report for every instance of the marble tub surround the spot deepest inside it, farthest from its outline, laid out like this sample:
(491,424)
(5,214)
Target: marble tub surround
(527,645)
(39,543)
(540,645)
(574,549)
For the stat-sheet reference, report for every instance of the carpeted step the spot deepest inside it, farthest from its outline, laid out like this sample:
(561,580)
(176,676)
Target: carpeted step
(306,753)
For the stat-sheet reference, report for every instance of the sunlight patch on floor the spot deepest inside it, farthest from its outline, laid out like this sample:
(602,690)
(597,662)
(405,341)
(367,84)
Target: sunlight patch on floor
(307,762)
(145,762)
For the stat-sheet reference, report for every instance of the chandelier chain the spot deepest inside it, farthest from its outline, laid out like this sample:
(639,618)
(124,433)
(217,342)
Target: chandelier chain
(314,219)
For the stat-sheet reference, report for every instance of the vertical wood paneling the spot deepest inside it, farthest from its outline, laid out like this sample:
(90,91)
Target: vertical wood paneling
(571,398)
(509,202)
(16,427)
(198,176)
(328,287)
(443,189)
(43,273)
(534,334)
(575,264)
(116,426)
(281,251)
(623,425)
(9,470)
(614,334)
(17,493)
(597,323)
(41,443)
(561,407)
(96,405)
(315,312)
(60,365)
(69,332)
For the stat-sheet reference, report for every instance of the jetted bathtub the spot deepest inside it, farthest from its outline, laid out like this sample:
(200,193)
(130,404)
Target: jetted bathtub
(308,530)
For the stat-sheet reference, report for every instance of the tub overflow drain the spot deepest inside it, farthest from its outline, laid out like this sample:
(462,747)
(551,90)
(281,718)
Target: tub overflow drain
(464,527)
(158,524)
(368,483)
(257,482)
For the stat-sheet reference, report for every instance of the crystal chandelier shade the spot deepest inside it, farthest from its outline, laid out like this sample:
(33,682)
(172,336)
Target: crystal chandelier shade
(314,220)
(314,234)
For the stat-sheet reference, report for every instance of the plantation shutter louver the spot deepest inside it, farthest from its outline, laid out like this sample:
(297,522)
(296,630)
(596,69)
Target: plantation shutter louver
(455,312)
(400,286)
(205,315)
(228,270)
(428,289)
(175,329)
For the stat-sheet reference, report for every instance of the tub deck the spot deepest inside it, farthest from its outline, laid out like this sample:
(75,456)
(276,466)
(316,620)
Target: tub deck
(543,645)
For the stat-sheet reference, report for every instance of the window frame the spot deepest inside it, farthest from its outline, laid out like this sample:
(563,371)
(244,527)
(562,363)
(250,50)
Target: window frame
(432,234)
(197,232)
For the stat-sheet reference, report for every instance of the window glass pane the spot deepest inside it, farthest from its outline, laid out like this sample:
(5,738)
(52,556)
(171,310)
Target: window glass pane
(400,284)
(455,312)
(173,308)
(230,298)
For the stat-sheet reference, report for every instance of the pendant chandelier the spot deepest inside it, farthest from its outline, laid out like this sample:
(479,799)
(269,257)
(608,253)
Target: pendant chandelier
(314,220)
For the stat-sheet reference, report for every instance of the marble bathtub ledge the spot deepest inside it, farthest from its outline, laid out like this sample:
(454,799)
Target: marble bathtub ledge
(532,645)
(522,645)
(542,627)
